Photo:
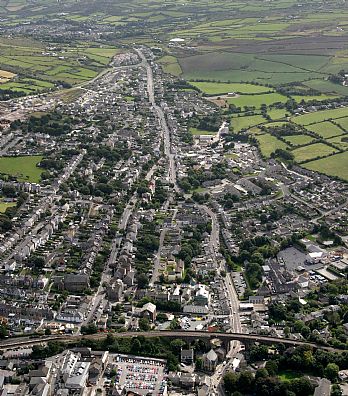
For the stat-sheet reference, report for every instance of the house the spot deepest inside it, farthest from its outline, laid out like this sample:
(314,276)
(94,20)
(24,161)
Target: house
(210,361)
(324,388)
(149,311)
(76,282)
(202,296)
(95,370)
(115,290)
(186,356)
(345,328)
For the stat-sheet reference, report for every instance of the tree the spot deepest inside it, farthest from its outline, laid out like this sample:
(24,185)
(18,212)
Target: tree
(272,367)
(261,373)
(245,381)
(143,281)
(177,345)
(144,324)
(331,372)
(230,381)
(3,331)
(336,390)
(136,345)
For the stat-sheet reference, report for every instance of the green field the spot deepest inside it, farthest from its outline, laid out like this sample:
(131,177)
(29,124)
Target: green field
(23,168)
(336,165)
(268,144)
(325,129)
(319,116)
(341,144)
(214,88)
(5,205)
(170,65)
(195,131)
(312,151)
(343,122)
(240,123)
(308,98)
(277,114)
(257,100)
(298,140)
(51,65)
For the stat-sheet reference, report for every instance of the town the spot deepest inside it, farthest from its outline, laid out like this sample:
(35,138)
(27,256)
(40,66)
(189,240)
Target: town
(139,227)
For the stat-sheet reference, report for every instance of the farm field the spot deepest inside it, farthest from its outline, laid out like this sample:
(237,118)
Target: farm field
(335,165)
(298,140)
(277,114)
(308,98)
(306,153)
(240,123)
(343,122)
(23,168)
(170,65)
(268,144)
(257,100)
(340,141)
(213,88)
(325,129)
(28,57)
(319,116)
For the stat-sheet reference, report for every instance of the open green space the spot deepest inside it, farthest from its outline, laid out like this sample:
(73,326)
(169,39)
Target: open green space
(215,88)
(23,168)
(287,375)
(312,151)
(170,65)
(240,123)
(40,66)
(195,131)
(340,141)
(257,100)
(5,205)
(319,116)
(298,140)
(335,165)
(325,129)
(343,122)
(277,114)
(268,144)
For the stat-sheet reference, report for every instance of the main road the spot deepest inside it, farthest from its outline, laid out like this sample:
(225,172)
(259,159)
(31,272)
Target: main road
(163,122)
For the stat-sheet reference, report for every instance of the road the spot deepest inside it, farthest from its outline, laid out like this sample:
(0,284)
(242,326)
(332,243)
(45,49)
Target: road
(235,324)
(163,122)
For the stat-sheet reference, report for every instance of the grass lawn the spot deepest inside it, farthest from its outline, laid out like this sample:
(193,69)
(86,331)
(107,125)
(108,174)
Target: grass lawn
(312,151)
(298,140)
(268,144)
(325,129)
(23,168)
(289,375)
(336,165)
(215,88)
(196,131)
(5,205)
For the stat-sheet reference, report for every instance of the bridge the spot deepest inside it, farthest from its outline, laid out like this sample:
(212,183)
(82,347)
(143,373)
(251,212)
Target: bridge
(185,335)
